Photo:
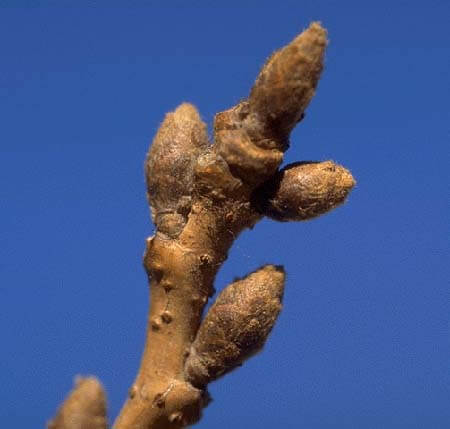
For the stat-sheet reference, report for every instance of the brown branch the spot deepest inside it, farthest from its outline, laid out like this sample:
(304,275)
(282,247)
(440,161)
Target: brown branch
(202,196)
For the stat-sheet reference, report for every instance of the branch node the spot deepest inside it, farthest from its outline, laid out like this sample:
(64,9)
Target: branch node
(202,197)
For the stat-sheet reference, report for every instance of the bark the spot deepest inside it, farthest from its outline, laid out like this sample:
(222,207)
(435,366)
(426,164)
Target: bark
(202,196)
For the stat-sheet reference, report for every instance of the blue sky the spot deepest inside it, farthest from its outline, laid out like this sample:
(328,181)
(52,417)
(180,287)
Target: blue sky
(363,340)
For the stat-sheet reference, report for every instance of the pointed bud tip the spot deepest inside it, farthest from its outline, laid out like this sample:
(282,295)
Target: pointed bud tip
(316,27)
(347,180)
(275,268)
(314,36)
(187,111)
(272,277)
(342,176)
(89,386)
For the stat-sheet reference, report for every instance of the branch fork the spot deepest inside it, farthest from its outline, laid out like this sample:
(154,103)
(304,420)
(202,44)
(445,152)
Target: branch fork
(202,196)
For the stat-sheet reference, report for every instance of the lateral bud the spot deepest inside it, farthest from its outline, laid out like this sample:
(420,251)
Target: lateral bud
(304,190)
(85,407)
(181,138)
(237,325)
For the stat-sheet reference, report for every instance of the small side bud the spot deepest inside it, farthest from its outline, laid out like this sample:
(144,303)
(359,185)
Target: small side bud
(288,80)
(302,191)
(237,325)
(85,407)
(181,138)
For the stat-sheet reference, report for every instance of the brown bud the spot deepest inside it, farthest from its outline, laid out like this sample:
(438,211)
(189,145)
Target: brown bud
(85,407)
(169,166)
(237,325)
(304,190)
(288,80)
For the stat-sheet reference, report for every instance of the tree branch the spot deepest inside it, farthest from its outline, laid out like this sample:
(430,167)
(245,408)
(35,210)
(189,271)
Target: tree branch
(202,196)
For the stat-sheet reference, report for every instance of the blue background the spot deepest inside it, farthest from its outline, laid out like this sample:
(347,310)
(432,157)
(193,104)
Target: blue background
(363,340)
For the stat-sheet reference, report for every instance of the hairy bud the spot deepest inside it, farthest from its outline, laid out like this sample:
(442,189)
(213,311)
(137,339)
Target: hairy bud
(288,80)
(252,136)
(181,138)
(304,190)
(237,325)
(84,408)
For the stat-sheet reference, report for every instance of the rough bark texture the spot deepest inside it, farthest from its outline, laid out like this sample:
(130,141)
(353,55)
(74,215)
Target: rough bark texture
(202,196)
